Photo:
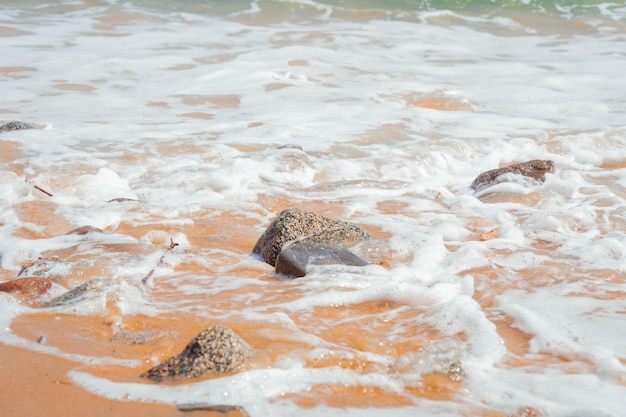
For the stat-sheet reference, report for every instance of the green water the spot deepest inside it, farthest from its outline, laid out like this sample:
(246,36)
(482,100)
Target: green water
(606,10)
(564,8)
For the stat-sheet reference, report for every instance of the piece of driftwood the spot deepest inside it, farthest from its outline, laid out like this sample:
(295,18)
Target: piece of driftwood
(169,249)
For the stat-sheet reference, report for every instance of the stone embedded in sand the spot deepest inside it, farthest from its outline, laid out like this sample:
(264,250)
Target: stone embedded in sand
(294,258)
(297,224)
(141,337)
(216,349)
(536,169)
(234,410)
(15,125)
(27,286)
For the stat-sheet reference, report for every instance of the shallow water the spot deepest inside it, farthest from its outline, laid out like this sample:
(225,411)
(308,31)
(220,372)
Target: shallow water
(164,122)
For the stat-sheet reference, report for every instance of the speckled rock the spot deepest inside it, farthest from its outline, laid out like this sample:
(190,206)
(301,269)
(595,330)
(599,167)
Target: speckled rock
(216,349)
(15,125)
(303,225)
(141,337)
(536,169)
(293,260)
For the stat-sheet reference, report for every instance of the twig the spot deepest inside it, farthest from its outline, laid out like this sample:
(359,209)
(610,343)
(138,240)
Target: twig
(171,247)
(42,190)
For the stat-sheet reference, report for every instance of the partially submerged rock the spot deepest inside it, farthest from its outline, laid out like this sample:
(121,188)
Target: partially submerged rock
(27,286)
(536,169)
(15,125)
(83,291)
(40,267)
(441,359)
(83,230)
(294,224)
(216,349)
(215,408)
(527,412)
(140,337)
(293,259)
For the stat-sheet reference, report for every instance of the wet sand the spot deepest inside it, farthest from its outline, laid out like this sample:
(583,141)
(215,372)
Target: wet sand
(35,384)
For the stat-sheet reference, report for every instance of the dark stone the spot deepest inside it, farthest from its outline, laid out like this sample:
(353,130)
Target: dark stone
(536,169)
(293,259)
(297,224)
(15,125)
(216,349)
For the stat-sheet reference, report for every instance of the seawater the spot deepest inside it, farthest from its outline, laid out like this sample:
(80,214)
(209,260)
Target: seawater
(198,122)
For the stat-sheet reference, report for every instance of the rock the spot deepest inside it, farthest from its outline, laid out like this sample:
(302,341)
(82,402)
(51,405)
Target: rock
(121,200)
(39,267)
(536,169)
(15,125)
(216,349)
(527,412)
(27,286)
(83,230)
(294,258)
(297,224)
(290,146)
(438,359)
(217,408)
(82,292)
(140,337)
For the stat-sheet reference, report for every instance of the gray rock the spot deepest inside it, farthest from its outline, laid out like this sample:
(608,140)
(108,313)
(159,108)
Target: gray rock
(15,125)
(219,408)
(294,224)
(216,349)
(84,291)
(293,260)
(537,169)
